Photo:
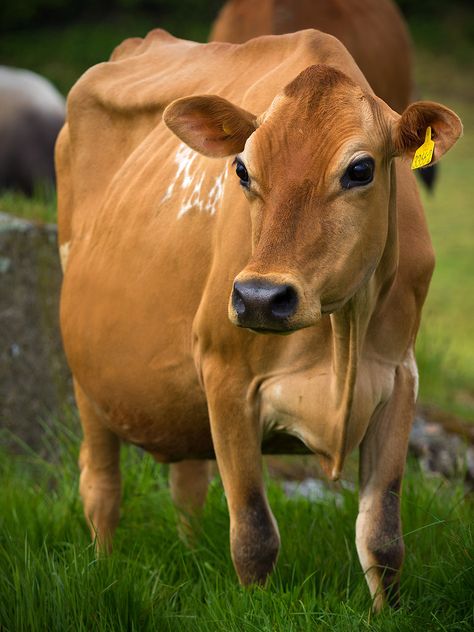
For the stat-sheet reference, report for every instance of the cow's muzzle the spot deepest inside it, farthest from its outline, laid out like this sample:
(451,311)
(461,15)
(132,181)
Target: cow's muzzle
(264,306)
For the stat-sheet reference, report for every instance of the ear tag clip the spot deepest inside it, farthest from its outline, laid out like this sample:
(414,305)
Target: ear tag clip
(424,153)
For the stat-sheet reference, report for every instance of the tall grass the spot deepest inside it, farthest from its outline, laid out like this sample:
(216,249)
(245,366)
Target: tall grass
(51,580)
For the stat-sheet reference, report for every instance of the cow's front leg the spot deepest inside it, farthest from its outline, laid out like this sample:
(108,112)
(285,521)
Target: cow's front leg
(100,485)
(382,459)
(254,538)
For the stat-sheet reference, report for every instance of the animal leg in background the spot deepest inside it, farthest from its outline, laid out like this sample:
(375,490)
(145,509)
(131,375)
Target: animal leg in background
(189,481)
(100,484)
(383,451)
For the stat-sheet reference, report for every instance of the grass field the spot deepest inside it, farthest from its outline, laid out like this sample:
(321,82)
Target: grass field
(51,580)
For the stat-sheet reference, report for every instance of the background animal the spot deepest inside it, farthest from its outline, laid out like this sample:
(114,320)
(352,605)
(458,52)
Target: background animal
(31,114)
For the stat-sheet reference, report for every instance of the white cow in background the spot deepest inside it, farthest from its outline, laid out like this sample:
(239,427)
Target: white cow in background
(31,114)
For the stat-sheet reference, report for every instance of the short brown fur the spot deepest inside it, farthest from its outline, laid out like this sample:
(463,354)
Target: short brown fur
(158,236)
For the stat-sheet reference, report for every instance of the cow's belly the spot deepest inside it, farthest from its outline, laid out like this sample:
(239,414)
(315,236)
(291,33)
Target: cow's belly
(127,333)
(302,405)
(148,394)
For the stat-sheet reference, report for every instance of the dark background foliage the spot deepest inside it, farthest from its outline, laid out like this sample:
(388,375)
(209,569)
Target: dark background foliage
(27,13)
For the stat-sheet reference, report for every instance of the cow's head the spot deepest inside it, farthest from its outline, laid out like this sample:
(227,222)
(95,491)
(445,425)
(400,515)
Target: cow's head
(315,169)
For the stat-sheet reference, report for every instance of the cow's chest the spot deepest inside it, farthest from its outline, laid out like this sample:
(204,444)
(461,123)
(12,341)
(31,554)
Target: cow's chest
(303,405)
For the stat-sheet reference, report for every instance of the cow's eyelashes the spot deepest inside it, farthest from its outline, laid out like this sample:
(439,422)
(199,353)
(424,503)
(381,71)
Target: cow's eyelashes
(242,173)
(358,173)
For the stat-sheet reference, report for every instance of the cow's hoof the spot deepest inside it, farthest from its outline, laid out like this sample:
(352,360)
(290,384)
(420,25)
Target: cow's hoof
(256,569)
(255,557)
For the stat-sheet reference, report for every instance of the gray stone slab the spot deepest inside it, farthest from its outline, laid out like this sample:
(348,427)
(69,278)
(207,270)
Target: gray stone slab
(35,383)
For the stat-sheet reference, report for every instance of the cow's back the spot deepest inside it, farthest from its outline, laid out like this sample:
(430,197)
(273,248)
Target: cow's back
(372,30)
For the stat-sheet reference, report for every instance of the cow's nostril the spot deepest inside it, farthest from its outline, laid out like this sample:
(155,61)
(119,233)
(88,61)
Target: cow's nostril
(238,301)
(284,301)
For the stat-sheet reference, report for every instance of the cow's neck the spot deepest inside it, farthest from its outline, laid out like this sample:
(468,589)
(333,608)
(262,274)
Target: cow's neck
(349,327)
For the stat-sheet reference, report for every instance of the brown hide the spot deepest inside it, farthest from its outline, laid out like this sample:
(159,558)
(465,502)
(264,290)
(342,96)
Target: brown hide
(153,235)
(373,31)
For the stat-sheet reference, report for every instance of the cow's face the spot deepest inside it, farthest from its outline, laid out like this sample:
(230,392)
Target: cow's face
(315,169)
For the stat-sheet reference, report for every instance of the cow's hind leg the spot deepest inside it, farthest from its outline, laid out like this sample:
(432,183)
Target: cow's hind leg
(189,481)
(100,485)
(382,459)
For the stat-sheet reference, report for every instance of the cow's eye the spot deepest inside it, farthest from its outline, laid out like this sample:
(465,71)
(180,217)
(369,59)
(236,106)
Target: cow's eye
(359,173)
(242,173)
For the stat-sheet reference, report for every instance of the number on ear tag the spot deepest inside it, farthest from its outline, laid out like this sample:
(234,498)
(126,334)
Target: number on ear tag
(424,153)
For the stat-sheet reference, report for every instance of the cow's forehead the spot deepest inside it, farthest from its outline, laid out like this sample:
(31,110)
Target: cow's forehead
(317,82)
(322,116)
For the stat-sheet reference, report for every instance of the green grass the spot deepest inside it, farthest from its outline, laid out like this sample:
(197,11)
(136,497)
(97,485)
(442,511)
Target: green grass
(51,580)
(41,207)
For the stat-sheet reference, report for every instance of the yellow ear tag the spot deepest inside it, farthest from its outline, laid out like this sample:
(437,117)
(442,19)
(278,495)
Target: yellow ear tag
(424,153)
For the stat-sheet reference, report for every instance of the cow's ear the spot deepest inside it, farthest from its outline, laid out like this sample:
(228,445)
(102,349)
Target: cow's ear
(410,130)
(210,124)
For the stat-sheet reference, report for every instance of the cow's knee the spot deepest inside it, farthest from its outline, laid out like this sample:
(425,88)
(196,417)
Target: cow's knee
(255,541)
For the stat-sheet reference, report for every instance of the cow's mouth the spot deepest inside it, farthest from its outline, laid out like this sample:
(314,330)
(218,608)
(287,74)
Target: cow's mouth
(278,332)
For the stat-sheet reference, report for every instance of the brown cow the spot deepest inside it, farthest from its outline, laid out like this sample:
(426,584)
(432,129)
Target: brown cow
(175,266)
(373,31)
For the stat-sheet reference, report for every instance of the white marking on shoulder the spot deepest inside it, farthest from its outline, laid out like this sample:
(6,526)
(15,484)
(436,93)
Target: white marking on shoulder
(193,200)
(410,364)
(169,193)
(215,194)
(64,254)
(184,158)
(198,198)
